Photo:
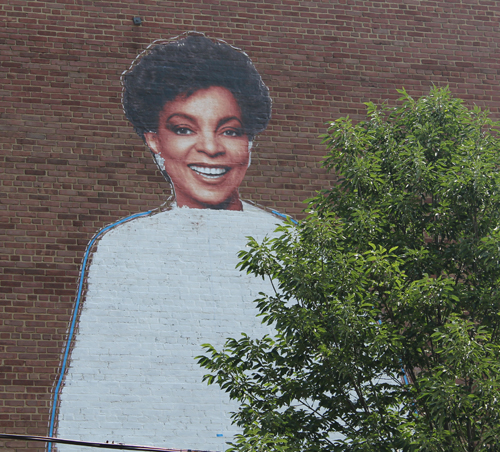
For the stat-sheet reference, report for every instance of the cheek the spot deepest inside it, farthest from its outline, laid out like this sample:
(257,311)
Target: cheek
(173,147)
(176,170)
(241,152)
(243,163)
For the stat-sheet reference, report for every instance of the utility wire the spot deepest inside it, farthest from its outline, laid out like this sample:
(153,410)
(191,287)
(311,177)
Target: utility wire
(50,439)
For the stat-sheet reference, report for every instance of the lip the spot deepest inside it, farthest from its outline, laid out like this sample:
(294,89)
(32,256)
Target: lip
(210,172)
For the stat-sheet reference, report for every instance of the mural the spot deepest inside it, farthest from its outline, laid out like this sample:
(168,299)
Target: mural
(161,284)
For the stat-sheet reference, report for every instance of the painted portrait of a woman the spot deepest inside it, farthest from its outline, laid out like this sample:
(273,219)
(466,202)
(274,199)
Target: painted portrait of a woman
(160,284)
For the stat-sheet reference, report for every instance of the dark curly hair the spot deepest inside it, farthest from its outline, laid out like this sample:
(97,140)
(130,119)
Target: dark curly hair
(168,69)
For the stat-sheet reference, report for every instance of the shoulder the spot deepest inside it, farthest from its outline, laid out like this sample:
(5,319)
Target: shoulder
(267,215)
(251,209)
(130,224)
(132,232)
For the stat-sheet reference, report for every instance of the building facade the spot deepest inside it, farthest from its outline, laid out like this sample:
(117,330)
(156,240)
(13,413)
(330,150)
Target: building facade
(72,163)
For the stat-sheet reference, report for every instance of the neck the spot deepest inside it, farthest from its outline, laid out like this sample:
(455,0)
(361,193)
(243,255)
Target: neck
(232,203)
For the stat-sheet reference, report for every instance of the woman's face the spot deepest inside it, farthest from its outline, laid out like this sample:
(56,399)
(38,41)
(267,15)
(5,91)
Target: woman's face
(205,151)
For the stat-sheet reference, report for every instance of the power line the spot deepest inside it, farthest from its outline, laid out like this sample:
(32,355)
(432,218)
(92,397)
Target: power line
(50,439)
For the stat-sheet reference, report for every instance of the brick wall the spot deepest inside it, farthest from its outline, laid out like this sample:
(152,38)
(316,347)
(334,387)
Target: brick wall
(72,164)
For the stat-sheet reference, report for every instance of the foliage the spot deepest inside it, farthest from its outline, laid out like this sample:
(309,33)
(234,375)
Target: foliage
(386,306)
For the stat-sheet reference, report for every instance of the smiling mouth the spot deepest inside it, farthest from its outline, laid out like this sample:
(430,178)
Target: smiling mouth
(211,173)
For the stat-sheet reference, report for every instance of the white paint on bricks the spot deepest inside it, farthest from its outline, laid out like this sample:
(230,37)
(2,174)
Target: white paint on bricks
(160,161)
(158,288)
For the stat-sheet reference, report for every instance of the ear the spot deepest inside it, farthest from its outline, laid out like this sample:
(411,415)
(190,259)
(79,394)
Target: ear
(152,142)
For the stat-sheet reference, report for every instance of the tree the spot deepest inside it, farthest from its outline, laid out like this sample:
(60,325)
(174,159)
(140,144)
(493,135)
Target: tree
(386,305)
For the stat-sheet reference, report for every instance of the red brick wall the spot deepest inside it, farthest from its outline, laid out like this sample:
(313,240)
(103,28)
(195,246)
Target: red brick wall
(72,164)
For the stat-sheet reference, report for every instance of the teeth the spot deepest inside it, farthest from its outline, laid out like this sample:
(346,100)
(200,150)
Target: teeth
(209,172)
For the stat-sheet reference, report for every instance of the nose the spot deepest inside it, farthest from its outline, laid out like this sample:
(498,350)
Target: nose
(209,145)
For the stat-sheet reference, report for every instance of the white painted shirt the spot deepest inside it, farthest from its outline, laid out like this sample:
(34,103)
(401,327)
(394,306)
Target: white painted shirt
(159,287)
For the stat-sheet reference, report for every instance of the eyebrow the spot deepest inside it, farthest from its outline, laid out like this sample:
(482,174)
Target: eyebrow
(221,122)
(229,118)
(182,115)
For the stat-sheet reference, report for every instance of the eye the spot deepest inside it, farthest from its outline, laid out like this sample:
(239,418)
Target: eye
(232,133)
(182,131)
